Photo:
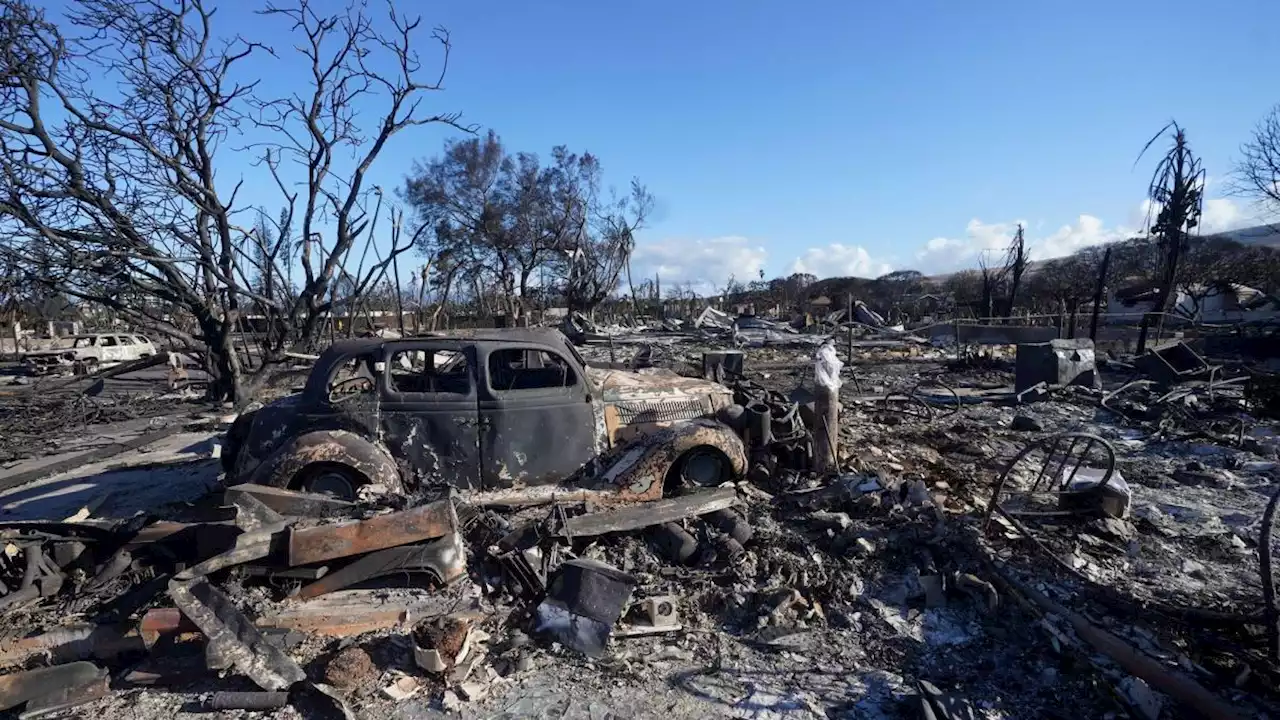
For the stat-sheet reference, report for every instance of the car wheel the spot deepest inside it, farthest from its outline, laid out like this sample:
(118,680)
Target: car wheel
(702,467)
(336,481)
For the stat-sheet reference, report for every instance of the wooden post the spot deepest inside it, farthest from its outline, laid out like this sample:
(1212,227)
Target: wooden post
(826,443)
(850,346)
(1097,296)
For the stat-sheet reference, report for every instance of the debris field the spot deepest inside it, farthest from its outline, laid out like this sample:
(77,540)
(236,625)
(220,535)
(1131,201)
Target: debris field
(1031,531)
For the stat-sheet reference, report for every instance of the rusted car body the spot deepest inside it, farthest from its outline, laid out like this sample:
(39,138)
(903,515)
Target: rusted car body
(508,413)
(87,353)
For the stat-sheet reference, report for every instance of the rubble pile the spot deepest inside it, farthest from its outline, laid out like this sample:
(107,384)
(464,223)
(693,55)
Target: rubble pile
(1032,533)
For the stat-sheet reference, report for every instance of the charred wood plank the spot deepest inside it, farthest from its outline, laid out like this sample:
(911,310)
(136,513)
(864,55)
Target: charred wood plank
(647,514)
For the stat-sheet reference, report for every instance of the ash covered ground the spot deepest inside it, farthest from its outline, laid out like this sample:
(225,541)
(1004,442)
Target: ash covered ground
(892,586)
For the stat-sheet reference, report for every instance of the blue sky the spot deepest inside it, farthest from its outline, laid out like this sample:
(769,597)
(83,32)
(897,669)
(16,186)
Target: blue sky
(852,137)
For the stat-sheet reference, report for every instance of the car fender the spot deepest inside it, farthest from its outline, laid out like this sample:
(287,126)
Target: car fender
(329,446)
(637,470)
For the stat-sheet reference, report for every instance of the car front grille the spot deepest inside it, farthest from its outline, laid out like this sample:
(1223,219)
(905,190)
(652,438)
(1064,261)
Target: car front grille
(650,411)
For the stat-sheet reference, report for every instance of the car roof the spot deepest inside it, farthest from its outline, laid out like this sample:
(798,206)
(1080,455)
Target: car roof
(341,350)
(543,336)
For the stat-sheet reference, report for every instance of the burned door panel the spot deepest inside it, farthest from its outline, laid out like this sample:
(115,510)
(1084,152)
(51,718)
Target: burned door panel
(537,420)
(428,416)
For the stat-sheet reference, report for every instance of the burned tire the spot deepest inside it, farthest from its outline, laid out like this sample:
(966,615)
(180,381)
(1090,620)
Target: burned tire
(703,466)
(332,479)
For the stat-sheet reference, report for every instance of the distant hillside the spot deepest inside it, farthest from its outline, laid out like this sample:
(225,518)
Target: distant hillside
(1264,235)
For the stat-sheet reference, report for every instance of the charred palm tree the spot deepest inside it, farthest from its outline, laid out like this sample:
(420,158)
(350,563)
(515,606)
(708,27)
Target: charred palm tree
(1176,192)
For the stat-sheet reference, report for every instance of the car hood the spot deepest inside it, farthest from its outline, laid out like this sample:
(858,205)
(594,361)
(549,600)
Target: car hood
(48,353)
(651,384)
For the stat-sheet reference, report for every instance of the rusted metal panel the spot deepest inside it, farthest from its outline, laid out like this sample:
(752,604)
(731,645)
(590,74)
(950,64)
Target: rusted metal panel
(650,513)
(19,687)
(288,502)
(165,620)
(340,447)
(651,383)
(338,540)
(446,558)
(64,698)
(637,471)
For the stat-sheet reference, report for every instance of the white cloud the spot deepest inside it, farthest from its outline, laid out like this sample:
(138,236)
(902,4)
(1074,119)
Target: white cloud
(1087,231)
(1217,215)
(944,254)
(1222,214)
(839,260)
(705,264)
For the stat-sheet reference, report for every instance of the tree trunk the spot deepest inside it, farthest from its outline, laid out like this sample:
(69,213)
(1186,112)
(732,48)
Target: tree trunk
(226,376)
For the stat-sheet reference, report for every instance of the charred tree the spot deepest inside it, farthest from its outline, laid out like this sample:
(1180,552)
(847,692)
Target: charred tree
(115,125)
(1016,266)
(1176,192)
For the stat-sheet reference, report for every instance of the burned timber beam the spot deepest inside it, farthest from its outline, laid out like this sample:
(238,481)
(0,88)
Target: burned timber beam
(339,540)
(650,513)
(231,635)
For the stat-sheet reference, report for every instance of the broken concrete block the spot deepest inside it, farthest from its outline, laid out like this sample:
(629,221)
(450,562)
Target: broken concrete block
(1057,363)
(403,688)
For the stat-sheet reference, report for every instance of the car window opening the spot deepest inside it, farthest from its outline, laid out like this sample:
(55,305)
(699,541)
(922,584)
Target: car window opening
(430,371)
(357,368)
(515,369)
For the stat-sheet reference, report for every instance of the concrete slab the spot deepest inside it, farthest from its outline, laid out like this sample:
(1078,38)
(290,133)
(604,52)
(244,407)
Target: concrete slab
(176,469)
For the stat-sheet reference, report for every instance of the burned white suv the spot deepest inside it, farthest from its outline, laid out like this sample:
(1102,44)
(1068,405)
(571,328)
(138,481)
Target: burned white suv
(88,353)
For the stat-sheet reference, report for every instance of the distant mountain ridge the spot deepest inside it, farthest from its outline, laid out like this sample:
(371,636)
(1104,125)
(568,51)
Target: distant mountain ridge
(1264,235)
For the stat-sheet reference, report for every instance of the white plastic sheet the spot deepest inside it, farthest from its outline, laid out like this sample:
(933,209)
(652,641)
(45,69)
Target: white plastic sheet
(826,367)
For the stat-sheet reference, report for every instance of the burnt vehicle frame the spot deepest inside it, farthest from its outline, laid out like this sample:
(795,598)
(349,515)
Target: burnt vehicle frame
(507,413)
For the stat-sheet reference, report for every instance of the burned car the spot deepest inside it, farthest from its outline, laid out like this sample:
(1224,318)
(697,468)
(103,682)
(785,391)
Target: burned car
(88,353)
(515,414)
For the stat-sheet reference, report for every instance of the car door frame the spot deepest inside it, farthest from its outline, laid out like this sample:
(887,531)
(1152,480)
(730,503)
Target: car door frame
(110,353)
(446,443)
(554,446)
